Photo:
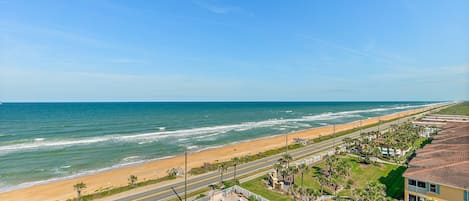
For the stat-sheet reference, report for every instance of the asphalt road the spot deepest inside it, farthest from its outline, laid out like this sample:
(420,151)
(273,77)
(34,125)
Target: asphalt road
(204,180)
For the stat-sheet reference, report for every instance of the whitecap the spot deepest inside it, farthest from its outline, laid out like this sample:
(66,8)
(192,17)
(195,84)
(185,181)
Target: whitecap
(202,132)
(193,147)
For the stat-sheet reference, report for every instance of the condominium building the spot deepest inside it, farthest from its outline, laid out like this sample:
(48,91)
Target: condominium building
(440,171)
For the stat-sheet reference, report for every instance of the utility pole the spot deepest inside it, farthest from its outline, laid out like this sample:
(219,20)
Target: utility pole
(333,132)
(286,143)
(185,173)
(379,123)
(361,128)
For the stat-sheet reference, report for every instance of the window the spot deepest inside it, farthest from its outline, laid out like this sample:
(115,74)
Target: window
(415,198)
(433,188)
(421,184)
(412,182)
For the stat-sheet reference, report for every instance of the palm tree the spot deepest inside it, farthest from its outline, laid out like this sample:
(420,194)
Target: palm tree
(331,165)
(322,181)
(236,161)
(79,187)
(222,168)
(287,158)
(373,191)
(293,170)
(132,180)
(302,168)
(277,167)
(335,182)
(348,142)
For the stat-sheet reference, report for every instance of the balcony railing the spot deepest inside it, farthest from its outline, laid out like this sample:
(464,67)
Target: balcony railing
(417,189)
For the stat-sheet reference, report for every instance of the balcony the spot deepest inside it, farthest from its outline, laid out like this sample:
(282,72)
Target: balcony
(417,189)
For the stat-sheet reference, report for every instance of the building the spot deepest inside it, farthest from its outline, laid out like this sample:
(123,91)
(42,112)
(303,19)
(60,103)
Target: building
(440,171)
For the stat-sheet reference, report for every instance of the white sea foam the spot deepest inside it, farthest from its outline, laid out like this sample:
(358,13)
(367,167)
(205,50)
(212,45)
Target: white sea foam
(130,158)
(198,133)
(193,147)
(65,166)
(4,187)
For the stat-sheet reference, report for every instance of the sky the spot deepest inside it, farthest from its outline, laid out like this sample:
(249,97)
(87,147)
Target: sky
(205,50)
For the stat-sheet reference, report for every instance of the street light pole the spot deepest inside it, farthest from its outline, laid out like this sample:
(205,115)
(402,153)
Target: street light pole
(333,133)
(361,128)
(379,123)
(286,143)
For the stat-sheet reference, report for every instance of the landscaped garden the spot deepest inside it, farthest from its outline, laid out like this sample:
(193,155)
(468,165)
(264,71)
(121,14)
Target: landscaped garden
(360,175)
(370,169)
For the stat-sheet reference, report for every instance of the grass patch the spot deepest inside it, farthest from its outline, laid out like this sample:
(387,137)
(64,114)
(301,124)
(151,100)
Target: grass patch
(112,191)
(259,187)
(458,109)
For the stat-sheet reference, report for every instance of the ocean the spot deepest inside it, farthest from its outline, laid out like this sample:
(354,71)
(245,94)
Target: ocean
(41,142)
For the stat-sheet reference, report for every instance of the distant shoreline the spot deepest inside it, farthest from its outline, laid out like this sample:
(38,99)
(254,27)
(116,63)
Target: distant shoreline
(61,189)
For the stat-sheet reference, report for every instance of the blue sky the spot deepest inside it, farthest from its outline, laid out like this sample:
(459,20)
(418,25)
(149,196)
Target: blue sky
(233,50)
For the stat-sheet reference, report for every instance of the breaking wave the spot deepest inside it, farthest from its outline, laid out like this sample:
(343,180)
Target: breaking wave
(198,133)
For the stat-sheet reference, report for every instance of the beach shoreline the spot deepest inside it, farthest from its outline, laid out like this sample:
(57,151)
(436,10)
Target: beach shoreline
(156,168)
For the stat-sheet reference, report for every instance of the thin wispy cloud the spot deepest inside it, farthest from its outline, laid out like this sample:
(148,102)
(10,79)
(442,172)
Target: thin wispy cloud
(419,73)
(14,28)
(216,8)
(357,52)
(128,61)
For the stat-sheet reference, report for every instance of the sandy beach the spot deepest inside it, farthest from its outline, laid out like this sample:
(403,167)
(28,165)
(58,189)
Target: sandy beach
(62,190)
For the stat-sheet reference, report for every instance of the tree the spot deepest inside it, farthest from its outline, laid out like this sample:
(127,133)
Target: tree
(236,161)
(278,167)
(322,181)
(292,171)
(287,158)
(373,191)
(222,168)
(79,187)
(331,165)
(348,142)
(312,194)
(335,183)
(302,168)
(133,179)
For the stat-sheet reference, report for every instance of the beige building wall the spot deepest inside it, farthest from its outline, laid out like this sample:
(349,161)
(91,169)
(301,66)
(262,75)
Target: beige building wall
(446,194)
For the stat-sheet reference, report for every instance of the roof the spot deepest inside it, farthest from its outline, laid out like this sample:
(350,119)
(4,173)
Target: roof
(446,160)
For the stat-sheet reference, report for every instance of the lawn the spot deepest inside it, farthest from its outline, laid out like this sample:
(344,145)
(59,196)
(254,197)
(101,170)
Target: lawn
(389,175)
(361,174)
(258,186)
(458,109)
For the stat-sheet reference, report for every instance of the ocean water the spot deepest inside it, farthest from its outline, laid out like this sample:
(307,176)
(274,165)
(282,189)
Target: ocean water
(40,142)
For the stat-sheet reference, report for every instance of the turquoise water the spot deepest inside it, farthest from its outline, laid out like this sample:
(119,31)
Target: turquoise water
(46,141)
